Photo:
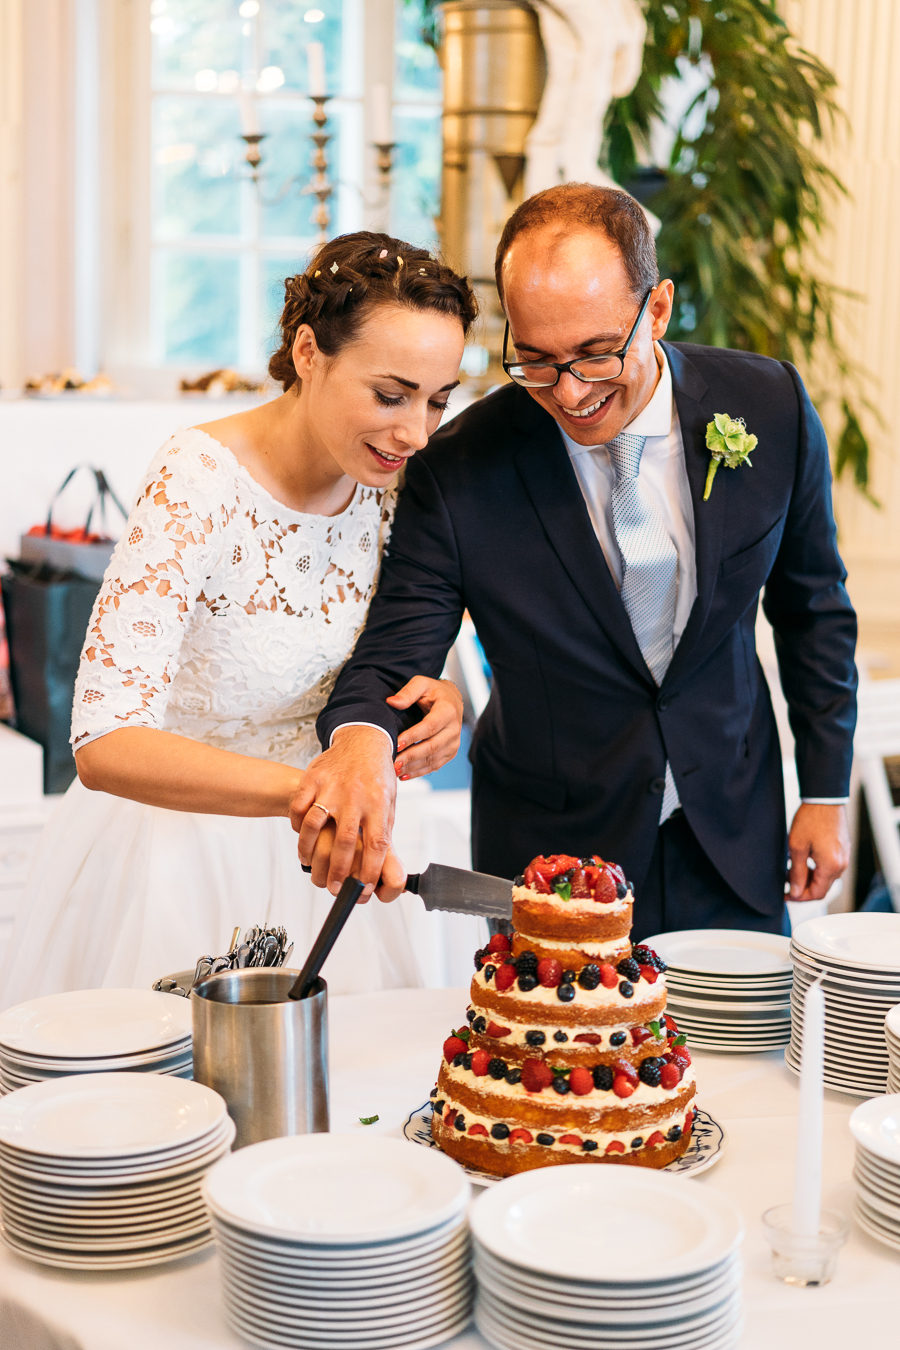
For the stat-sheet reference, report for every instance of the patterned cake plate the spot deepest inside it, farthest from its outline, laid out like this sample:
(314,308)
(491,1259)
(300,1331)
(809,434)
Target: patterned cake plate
(705,1149)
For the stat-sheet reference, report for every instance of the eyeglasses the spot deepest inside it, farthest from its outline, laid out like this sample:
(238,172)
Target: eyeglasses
(588,369)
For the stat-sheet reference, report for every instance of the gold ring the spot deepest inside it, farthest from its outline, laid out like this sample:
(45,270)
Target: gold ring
(321,806)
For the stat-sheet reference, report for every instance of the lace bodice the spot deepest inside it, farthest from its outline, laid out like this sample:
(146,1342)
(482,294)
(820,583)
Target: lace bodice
(224,615)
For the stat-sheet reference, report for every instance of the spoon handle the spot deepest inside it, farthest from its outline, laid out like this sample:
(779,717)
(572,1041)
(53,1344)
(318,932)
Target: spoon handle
(337,916)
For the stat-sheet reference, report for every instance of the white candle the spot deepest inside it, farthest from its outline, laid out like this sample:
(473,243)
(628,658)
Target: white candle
(382,131)
(249,120)
(808,1169)
(315,60)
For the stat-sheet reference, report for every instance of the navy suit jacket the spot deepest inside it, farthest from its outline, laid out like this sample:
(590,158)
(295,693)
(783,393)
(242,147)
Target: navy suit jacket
(570,753)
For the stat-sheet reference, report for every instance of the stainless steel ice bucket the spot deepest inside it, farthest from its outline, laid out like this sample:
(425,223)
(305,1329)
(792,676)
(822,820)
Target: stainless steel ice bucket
(265,1053)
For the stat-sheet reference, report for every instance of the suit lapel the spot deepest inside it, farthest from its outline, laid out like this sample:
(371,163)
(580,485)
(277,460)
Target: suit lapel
(543,464)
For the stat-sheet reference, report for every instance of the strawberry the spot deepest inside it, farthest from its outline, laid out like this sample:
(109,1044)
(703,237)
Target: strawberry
(609,976)
(497,1032)
(670,1076)
(536,1075)
(622,1087)
(589,1037)
(605,889)
(649,973)
(581,1082)
(627,1070)
(549,972)
(499,943)
(521,1137)
(505,978)
(570,1139)
(670,1023)
(480,1061)
(453,1046)
(615,872)
(688,1120)
(477,1129)
(657,1137)
(615,1146)
(641,1034)
(682,1055)
(449,1115)
(582,883)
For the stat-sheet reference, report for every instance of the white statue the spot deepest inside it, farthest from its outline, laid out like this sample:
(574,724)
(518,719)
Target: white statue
(595,49)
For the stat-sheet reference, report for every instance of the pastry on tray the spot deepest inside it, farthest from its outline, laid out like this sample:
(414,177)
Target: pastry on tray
(567,1055)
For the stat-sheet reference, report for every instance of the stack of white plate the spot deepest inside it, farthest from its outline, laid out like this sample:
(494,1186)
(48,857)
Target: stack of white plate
(876,1129)
(342,1242)
(606,1258)
(728,988)
(94,1031)
(892,1039)
(859,957)
(103,1171)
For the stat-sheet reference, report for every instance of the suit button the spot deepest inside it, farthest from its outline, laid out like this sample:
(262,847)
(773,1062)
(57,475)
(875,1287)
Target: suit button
(663,702)
(657,785)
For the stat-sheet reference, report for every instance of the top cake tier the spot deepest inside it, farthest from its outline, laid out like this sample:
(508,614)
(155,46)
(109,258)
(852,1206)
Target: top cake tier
(573,901)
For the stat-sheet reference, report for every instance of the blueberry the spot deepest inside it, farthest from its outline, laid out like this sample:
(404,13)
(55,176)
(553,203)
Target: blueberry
(560,1036)
(439,1107)
(470,1015)
(589,977)
(629,887)
(513,1076)
(518,881)
(603,1077)
(535,1037)
(626,989)
(460,1123)
(648,1072)
(497,1069)
(629,969)
(586,862)
(565,992)
(499,1131)
(467,1059)
(674,1133)
(545,1139)
(637,1142)
(621,890)
(433,1092)
(560,1084)
(527,983)
(589,1145)
(489,972)
(618,1038)
(568,977)
(458,1059)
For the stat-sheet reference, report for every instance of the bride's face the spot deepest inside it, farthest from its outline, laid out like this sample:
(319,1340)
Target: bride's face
(376,402)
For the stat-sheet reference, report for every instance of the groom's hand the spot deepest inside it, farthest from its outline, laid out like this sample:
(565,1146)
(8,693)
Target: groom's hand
(819,834)
(355,782)
(433,742)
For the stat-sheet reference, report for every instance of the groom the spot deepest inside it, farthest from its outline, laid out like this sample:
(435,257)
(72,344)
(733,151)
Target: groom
(629,715)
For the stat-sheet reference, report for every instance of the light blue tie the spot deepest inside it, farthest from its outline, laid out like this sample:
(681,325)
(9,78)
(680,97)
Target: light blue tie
(649,570)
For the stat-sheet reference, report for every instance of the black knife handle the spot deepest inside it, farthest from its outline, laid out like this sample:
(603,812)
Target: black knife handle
(412,882)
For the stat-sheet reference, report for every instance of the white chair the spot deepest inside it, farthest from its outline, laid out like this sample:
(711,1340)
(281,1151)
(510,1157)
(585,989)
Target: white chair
(877,739)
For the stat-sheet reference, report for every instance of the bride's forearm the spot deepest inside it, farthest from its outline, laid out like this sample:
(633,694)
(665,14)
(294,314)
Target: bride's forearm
(162,769)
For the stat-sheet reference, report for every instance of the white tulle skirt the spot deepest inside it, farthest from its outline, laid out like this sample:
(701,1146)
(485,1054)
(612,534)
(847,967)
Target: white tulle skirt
(121,894)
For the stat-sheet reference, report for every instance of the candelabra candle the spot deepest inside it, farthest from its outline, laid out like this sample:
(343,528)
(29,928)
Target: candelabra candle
(385,160)
(320,187)
(253,154)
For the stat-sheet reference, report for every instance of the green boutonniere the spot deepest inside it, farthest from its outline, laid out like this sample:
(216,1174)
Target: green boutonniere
(728,439)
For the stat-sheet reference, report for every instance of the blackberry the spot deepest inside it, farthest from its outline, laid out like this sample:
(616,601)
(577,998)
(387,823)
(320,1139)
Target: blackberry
(621,890)
(439,1107)
(565,992)
(629,969)
(637,1142)
(526,963)
(519,881)
(560,1085)
(527,983)
(489,972)
(674,1133)
(470,1015)
(545,1139)
(497,1069)
(618,1038)
(482,951)
(499,1131)
(589,1145)
(479,1025)
(589,977)
(535,1037)
(513,1076)
(560,1036)
(626,989)
(649,1073)
(460,1123)
(603,1077)
(467,1059)
(458,1059)
(568,977)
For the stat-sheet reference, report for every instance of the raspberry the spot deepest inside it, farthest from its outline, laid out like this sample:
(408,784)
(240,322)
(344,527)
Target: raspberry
(621,1086)
(499,943)
(608,977)
(477,1129)
(453,1046)
(570,1139)
(616,1146)
(581,1082)
(536,1075)
(657,1137)
(521,1137)
(505,978)
(480,1062)
(641,1034)
(649,973)
(669,1076)
(496,1031)
(549,972)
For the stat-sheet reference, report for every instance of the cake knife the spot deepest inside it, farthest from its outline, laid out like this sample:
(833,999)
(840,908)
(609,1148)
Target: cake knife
(461,892)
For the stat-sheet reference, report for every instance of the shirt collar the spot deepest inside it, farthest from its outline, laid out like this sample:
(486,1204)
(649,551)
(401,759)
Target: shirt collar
(653,420)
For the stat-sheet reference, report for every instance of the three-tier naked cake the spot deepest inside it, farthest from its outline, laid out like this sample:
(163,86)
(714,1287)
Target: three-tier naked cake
(568,1055)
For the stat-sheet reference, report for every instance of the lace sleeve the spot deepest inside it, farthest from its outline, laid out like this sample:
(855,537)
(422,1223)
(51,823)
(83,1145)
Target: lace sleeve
(153,583)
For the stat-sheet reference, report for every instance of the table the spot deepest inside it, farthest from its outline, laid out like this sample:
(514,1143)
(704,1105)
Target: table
(384,1056)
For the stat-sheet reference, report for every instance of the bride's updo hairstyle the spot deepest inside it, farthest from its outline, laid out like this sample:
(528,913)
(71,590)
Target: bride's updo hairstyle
(352,274)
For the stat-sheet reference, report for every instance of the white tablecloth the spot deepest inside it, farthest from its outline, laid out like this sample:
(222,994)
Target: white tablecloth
(384,1056)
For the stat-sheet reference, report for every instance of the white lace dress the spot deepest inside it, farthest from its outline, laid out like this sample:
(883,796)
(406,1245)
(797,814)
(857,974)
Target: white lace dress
(223,616)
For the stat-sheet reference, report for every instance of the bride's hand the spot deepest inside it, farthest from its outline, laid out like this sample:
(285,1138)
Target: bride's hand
(321,861)
(434,741)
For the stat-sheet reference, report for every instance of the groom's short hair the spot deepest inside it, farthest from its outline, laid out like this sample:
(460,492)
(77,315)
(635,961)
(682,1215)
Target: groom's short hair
(610,210)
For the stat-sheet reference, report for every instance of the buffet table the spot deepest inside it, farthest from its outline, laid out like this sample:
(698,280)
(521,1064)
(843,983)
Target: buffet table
(384,1056)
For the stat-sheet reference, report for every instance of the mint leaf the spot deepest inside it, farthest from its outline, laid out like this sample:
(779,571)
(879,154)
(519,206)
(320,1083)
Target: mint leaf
(462,1035)
(680,1040)
(655,1028)
(367,1120)
(559,1073)
(563,889)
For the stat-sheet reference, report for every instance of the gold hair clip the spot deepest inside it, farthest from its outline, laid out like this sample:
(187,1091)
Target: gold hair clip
(399,261)
(316,274)
(422,272)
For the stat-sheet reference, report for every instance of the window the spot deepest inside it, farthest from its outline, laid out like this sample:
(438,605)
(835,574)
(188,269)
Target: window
(222,246)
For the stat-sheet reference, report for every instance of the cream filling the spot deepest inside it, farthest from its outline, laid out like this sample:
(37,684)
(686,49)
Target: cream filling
(579,905)
(643,1095)
(611,947)
(601,997)
(518,1030)
(603,1138)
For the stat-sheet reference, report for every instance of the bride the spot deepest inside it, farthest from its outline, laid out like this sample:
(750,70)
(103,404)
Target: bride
(233,598)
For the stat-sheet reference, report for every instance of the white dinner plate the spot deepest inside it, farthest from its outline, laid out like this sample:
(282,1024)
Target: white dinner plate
(658,1329)
(858,940)
(347,1321)
(135,1260)
(871,1222)
(875,1175)
(403,1256)
(328,1189)
(112,1245)
(151,1161)
(299,1293)
(649,1294)
(502,1333)
(720,951)
(443,1331)
(13,1061)
(876,1127)
(92,1023)
(559,1308)
(578,1221)
(191,1167)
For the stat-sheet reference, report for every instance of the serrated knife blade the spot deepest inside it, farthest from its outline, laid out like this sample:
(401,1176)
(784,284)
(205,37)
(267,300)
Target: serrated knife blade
(461,892)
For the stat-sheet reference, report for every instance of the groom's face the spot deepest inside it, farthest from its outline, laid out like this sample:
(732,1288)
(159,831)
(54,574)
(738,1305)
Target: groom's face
(567,294)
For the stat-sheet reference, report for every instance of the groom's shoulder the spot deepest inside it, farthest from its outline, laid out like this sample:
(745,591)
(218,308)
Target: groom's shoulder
(488,428)
(760,376)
